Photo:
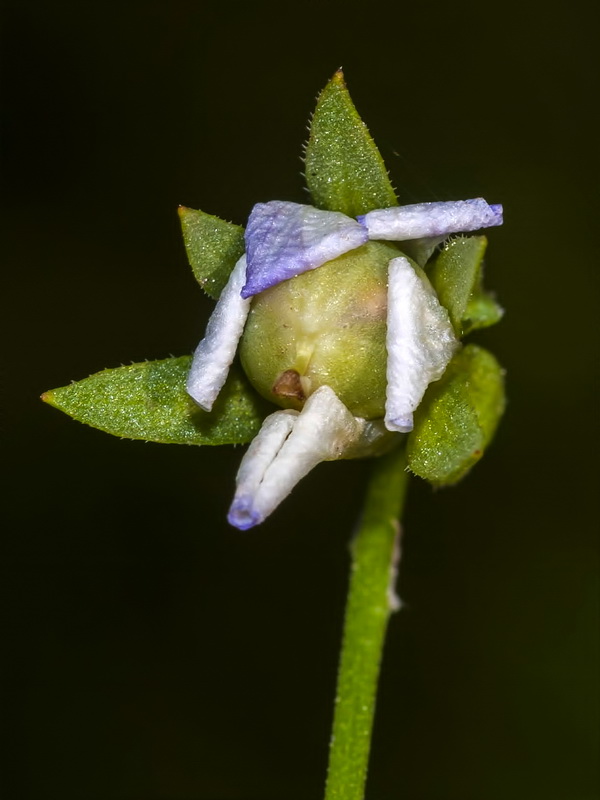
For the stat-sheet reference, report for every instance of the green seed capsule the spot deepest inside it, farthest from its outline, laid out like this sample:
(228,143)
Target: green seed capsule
(326,327)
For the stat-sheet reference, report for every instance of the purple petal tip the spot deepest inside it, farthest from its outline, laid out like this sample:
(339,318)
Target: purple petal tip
(242,516)
(255,284)
(401,424)
(498,212)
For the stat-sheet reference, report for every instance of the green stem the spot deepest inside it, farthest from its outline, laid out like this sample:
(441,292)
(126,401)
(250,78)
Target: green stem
(375,551)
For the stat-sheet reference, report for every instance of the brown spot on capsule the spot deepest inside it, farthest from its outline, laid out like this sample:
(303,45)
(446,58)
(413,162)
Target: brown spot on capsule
(288,384)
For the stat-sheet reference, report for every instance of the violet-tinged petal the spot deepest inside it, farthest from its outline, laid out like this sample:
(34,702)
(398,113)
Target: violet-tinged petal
(285,239)
(322,431)
(242,514)
(431,219)
(216,351)
(420,342)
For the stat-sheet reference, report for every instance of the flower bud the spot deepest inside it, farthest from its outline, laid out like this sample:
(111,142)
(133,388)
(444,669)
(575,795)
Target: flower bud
(325,327)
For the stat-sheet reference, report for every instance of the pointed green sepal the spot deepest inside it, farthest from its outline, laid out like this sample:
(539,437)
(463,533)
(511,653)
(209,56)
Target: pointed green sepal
(149,401)
(457,418)
(482,311)
(213,246)
(344,169)
(456,276)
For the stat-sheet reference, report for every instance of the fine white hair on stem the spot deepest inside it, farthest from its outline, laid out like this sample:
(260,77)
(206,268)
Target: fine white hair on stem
(394,600)
(216,351)
(274,464)
(420,342)
(420,220)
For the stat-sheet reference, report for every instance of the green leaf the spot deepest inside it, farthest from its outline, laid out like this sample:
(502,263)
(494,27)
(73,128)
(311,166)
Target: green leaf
(457,418)
(344,169)
(213,246)
(456,276)
(149,401)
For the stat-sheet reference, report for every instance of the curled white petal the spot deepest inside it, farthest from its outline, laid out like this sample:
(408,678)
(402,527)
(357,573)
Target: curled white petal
(420,342)
(420,220)
(276,461)
(285,239)
(216,351)
(260,455)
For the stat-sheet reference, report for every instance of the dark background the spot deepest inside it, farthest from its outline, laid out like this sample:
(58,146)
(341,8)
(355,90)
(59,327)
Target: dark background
(150,652)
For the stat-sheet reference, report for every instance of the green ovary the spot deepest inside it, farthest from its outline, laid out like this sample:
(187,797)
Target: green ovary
(329,326)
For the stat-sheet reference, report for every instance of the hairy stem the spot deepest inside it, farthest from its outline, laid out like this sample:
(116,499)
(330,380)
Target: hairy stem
(375,552)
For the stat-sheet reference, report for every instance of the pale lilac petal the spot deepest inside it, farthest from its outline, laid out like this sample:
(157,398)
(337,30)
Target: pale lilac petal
(420,342)
(322,431)
(431,219)
(216,351)
(285,239)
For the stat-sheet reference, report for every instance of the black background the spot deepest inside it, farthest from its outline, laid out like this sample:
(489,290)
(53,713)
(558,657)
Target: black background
(150,651)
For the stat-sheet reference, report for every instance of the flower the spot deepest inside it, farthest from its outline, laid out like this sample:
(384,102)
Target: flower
(341,318)
(283,241)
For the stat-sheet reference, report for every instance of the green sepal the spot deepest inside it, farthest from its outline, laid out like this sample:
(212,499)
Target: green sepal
(213,246)
(457,418)
(344,169)
(482,311)
(456,275)
(148,401)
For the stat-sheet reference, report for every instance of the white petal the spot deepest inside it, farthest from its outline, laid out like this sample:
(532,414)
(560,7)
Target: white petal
(216,351)
(321,432)
(420,342)
(431,219)
(260,455)
(285,239)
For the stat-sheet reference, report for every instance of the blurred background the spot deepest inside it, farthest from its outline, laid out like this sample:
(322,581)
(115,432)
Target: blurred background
(150,652)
